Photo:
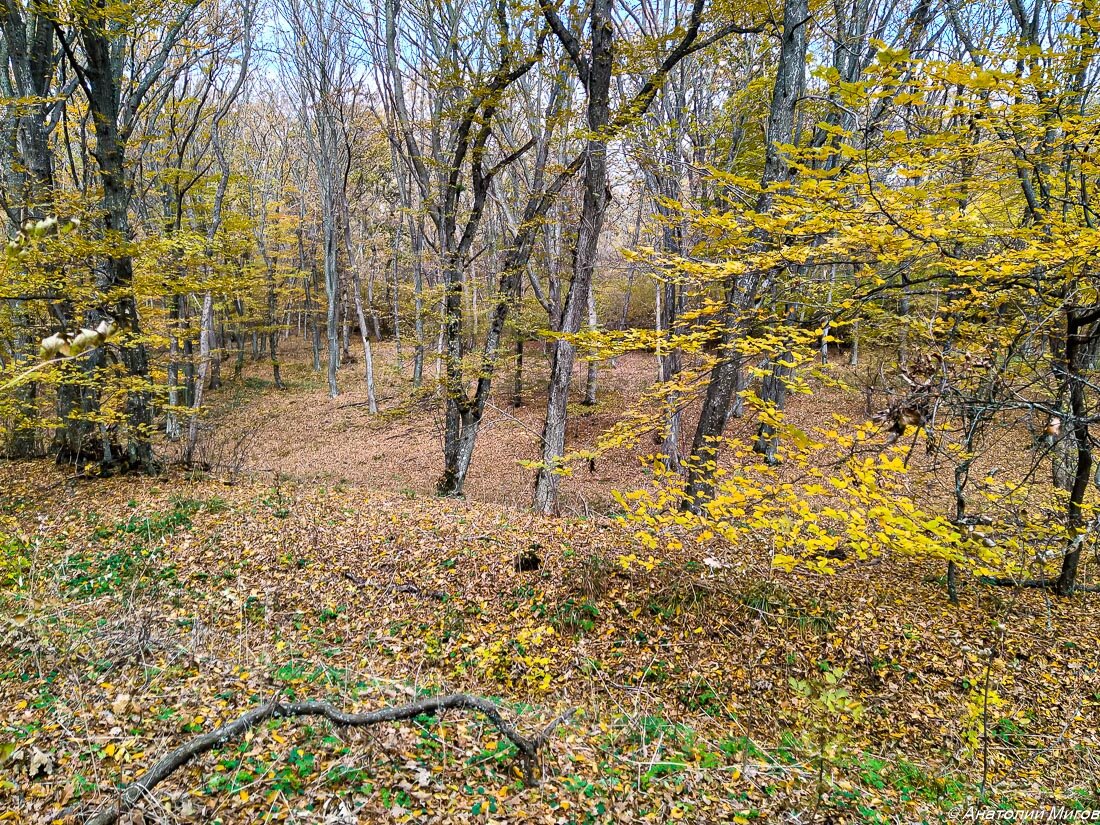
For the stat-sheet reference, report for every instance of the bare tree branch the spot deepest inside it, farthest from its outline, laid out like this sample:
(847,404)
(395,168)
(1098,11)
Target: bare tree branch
(528,747)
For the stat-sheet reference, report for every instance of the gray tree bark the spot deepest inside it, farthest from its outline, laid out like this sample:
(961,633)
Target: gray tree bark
(723,378)
(595,72)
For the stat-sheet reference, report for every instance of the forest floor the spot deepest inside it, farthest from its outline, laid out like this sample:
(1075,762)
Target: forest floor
(136,613)
(261,432)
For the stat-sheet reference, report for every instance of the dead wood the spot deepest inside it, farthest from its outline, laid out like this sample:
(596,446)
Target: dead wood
(139,789)
(1047,584)
(411,589)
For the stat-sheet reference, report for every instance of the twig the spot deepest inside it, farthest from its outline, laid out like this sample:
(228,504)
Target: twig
(985,726)
(399,588)
(364,403)
(430,706)
(23,376)
(508,415)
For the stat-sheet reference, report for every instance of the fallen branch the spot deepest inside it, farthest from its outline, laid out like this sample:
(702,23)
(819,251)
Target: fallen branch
(365,403)
(1046,584)
(133,793)
(415,590)
(399,588)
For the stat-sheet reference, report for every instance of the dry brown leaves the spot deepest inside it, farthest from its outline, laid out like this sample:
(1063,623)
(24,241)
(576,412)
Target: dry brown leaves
(145,610)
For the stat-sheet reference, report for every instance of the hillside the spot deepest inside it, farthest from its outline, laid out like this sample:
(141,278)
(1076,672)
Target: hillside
(141,612)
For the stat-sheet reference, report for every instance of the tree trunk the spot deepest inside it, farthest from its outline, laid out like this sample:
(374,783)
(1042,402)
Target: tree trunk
(313,329)
(740,383)
(273,331)
(456,413)
(117,275)
(188,363)
(717,403)
(171,419)
(418,301)
(332,294)
(724,378)
(664,185)
(397,296)
(599,70)
(238,365)
(375,327)
(1078,335)
(517,380)
(630,272)
(773,392)
(206,325)
(368,361)
(593,365)
(669,364)
(344,323)
(825,328)
(27,47)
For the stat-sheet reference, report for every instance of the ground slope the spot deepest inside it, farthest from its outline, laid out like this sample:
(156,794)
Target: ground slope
(137,613)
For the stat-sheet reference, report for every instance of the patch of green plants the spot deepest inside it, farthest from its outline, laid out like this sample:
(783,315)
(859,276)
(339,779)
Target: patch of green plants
(346,775)
(661,769)
(95,574)
(12,504)
(657,728)
(741,746)
(258,385)
(1010,732)
(212,505)
(787,751)
(1087,799)
(656,672)
(14,561)
(277,500)
(816,618)
(300,764)
(575,616)
(395,796)
(765,598)
(154,526)
(659,610)
(904,778)
(292,671)
(254,609)
(698,695)
(773,603)
(500,752)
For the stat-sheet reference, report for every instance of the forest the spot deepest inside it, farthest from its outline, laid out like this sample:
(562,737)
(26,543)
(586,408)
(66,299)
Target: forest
(559,411)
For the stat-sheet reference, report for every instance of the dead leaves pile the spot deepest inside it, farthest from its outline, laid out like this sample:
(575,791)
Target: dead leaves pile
(141,612)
